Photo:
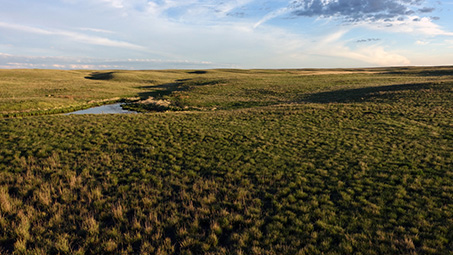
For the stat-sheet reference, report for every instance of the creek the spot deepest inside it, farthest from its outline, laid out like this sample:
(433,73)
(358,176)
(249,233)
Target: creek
(104,109)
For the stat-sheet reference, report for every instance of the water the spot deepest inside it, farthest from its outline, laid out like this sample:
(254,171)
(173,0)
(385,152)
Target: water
(104,109)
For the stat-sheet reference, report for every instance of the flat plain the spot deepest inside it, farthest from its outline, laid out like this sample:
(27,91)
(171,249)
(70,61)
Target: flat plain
(298,161)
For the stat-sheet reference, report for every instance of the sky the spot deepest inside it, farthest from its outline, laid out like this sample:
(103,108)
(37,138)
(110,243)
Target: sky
(203,34)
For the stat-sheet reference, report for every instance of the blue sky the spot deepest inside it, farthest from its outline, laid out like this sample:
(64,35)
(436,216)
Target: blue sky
(161,34)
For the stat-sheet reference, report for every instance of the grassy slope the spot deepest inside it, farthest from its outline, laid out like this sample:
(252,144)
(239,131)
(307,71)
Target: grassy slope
(336,164)
(25,92)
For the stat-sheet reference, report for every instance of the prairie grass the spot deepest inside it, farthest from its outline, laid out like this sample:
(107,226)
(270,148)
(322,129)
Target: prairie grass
(38,92)
(289,162)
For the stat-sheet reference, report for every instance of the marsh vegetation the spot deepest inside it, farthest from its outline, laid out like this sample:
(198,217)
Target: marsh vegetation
(350,161)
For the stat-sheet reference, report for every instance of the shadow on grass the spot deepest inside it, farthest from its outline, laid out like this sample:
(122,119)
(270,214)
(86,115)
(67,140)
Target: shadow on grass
(158,91)
(100,76)
(172,86)
(423,71)
(198,72)
(365,94)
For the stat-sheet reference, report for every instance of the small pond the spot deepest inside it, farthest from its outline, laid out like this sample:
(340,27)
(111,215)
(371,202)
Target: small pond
(104,109)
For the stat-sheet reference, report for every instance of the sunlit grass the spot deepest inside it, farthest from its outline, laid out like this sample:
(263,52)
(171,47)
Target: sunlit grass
(36,92)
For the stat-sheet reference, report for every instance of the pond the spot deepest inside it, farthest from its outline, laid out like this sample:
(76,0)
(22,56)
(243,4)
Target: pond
(104,109)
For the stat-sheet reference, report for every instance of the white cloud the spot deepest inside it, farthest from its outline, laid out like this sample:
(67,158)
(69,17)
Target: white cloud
(159,8)
(371,55)
(332,46)
(419,42)
(115,3)
(378,55)
(333,37)
(28,29)
(194,11)
(227,6)
(272,15)
(74,36)
(412,25)
(9,61)
(96,30)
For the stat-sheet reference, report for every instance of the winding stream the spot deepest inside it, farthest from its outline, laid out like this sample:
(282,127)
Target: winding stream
(104,109)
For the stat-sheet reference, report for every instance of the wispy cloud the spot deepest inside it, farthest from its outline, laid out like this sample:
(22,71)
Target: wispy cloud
(225,7)
(272,14)
(28,29)
(419,42)
(414,25)
(334,46)
(115,3)
(78,37)
(9,61)
(96,30)
(194,10)
(160,7)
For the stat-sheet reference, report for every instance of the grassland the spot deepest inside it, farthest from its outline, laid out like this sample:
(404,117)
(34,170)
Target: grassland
(349,161)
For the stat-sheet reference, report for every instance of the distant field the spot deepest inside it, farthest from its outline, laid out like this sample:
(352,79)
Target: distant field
(37,92)
(341,161)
